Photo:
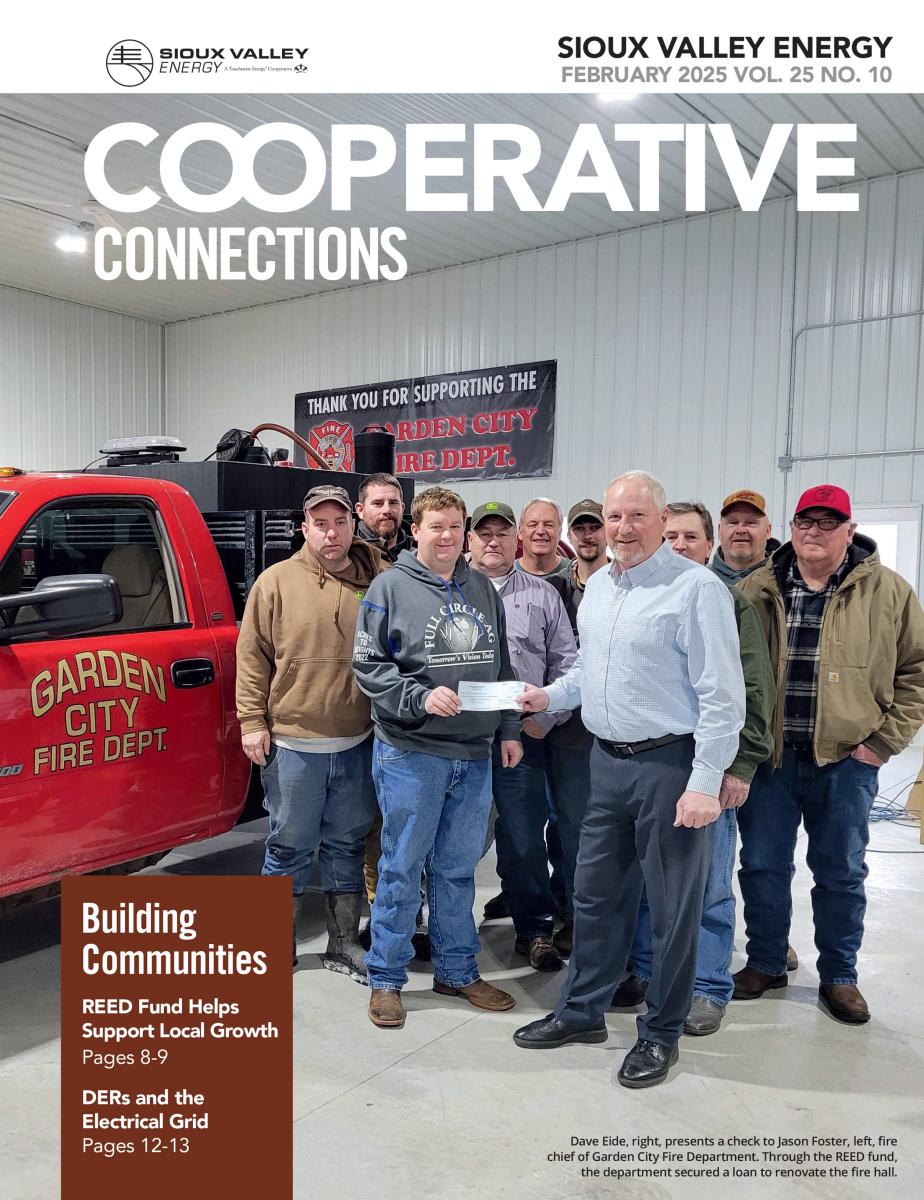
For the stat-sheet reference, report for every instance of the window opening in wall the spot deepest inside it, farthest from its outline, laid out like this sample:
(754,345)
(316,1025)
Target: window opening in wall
(896,530)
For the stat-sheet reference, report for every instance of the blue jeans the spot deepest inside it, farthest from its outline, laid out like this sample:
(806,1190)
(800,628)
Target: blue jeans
(434,816)
(716,927)
(522,862)
(833,802)
(320,804)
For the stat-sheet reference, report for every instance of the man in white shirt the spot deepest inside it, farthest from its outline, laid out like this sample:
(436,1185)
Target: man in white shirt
(658,675)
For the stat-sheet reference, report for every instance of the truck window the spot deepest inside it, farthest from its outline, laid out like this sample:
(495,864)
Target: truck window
(117,537)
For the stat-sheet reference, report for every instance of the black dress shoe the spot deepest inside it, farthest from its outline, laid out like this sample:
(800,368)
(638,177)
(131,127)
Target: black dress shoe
(552,1031)
(629,993)
(497,907)
(646,1064)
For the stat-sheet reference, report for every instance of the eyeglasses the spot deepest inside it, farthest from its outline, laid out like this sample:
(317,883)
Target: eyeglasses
(826,524)
(486,536)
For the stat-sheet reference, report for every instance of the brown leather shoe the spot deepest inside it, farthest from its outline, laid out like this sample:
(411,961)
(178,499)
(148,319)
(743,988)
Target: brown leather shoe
(480,994)
(386,1009)
(792,960)
(750,984)
(541,953)
(844,1002)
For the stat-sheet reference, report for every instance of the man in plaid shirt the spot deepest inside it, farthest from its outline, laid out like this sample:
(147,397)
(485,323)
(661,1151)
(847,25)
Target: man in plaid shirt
(846,637)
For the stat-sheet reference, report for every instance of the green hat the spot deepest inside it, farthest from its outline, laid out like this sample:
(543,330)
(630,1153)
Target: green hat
(493,508)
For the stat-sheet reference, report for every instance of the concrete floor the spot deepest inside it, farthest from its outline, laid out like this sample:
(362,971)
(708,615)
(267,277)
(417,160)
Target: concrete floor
(448,1106)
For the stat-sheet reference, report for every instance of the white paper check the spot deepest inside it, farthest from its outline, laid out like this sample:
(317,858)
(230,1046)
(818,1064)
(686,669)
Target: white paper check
(489,697)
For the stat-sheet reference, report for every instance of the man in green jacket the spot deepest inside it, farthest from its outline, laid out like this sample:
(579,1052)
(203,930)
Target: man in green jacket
(846,638)
(689,529)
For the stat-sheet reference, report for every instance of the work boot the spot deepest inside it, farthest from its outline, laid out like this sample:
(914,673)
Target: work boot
(792,960)
(704,1017)
(296,913)
(385,1008)
(540,952)
(844,1002)
(344,953)
(750,984)
(479,994)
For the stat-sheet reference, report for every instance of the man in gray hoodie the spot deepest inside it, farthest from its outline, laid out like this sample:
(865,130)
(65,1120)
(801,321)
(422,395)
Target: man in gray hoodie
(744,536)
(423,627)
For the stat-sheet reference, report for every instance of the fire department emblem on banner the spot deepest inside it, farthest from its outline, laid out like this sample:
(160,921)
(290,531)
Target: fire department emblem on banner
(334,443)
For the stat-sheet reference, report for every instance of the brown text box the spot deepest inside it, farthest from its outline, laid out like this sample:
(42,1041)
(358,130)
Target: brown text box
(236,1052)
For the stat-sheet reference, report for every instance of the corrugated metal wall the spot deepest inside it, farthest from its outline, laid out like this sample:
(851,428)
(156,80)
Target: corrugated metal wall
(672,343)
(702,350)
(858,383)
(71,377)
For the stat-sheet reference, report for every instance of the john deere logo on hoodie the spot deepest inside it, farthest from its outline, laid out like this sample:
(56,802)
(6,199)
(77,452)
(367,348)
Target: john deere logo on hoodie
(452,635)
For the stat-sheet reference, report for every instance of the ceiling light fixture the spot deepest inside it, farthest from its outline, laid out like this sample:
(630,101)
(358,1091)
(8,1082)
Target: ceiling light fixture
(72,243)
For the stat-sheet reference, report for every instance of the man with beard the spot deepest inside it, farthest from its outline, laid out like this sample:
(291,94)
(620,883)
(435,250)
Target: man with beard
(585,529)
(380,509)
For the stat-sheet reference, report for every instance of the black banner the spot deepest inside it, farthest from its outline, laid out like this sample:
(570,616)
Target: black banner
(492,423)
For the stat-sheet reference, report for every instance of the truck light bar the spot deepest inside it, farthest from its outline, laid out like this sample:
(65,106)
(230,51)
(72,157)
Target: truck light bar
(150,444)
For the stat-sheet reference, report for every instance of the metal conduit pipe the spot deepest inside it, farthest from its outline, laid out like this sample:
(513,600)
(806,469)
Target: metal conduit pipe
(788,458)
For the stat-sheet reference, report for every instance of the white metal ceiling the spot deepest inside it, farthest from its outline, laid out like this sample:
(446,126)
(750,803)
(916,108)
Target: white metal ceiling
(43,138)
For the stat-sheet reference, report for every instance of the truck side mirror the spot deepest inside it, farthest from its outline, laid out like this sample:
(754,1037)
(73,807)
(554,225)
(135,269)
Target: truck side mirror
(61,604)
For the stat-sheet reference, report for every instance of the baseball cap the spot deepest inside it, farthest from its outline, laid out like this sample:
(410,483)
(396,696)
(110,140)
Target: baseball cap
(825,495)
(328,493)
(745,496)
(585,508)
(493,508)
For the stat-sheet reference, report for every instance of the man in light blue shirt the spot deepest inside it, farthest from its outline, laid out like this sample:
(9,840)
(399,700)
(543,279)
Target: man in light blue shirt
(658,675)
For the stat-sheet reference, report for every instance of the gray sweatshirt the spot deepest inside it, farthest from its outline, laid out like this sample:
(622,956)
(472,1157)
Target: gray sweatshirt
(416,632)
(729,574)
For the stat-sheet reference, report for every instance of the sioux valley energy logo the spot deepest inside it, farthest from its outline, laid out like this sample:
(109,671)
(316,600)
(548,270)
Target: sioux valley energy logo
(129,63)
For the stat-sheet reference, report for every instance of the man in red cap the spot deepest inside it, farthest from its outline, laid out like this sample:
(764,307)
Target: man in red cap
(846,636)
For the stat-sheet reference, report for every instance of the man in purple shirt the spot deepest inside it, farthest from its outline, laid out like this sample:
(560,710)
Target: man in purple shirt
(542,648)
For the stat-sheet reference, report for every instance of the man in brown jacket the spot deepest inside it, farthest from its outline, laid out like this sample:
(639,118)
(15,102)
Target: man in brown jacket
(305,722)
(846,638)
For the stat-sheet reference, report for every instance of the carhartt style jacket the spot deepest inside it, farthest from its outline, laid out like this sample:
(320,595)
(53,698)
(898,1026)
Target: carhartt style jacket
(295,650)
(871,655)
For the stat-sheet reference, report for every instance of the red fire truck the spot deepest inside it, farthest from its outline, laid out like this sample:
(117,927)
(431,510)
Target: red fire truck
(119,601)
